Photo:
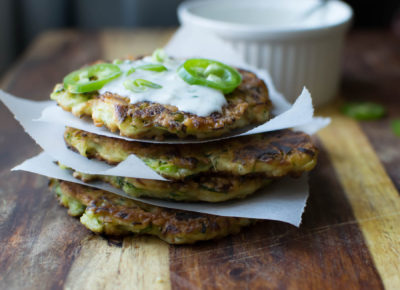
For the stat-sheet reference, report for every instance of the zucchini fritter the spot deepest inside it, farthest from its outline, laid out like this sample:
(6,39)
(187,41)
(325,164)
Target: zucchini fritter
(248,104)
(202,188)
(106,213)
(272,154)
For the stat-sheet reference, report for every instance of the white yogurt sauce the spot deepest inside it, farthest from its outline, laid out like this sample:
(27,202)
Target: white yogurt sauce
(198,100)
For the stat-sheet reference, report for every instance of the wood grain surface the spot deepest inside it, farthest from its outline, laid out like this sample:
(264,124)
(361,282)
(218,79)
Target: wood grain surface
(349,237)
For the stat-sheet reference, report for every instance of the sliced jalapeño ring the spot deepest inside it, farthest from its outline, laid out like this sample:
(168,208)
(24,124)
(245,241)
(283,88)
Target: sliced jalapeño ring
(210,73)
(91,78)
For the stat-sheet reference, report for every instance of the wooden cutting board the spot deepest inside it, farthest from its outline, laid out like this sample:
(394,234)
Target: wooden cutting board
(349,238)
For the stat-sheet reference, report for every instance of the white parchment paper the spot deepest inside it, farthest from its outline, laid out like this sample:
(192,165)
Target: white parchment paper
(50,137)
(300,113)
(282,201)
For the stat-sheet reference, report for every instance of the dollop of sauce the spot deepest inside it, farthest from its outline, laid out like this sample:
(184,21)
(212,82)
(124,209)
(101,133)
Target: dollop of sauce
(195,99)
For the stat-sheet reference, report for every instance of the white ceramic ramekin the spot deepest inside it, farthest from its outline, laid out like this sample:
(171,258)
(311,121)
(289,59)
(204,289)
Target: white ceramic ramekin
(297,50)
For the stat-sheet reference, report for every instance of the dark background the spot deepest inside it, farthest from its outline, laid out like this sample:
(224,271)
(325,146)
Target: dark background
(22,20)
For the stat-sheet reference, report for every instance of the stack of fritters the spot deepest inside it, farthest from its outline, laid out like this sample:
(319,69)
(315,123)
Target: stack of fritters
(209,172)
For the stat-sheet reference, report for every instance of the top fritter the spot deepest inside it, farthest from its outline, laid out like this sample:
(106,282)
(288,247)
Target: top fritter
(158,96)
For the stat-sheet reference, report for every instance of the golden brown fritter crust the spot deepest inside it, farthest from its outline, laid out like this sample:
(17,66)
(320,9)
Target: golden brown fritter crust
(201,188)
(110,214)
(272,154)
(248,104)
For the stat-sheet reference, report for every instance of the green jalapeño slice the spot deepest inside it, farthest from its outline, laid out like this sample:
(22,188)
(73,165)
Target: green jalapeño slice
(210,73)
(159,55)
(91,78)
(140,85)
(364,111)
(153,67)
